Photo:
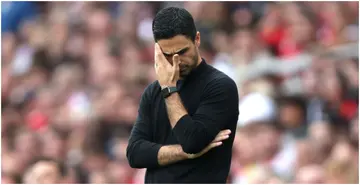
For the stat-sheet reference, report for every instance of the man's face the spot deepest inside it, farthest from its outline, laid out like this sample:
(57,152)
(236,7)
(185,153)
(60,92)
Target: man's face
(185,48)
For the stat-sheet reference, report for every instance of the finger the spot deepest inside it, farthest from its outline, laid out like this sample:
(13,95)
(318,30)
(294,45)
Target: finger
(157,49)
(159,56)
(176,60)
(225,132)
(213,145)
(156,67)
(209,147)
(220,138)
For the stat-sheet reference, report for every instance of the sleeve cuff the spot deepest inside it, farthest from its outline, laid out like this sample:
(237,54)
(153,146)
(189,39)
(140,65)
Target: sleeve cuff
(153,155)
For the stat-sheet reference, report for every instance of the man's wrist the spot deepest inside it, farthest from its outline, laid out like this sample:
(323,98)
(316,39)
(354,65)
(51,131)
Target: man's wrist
(188,156)
(168,91)
(171,96)
(191,156)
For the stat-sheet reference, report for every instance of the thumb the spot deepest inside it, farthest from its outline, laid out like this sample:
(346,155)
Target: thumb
(176,61)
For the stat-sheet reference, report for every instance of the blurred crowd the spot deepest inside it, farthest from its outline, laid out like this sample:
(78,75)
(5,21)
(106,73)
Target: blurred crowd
(72,74)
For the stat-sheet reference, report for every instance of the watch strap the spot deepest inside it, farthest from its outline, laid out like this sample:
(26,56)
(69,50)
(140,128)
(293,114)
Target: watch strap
(167,91)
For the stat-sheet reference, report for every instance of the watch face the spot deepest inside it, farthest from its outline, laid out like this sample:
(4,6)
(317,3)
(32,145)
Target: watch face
(166,92)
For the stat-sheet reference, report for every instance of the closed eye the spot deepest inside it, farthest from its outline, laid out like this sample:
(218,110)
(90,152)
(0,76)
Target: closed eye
(181,52)
(167,55)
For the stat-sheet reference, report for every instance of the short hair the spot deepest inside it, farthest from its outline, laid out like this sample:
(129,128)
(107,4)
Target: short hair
(173,21)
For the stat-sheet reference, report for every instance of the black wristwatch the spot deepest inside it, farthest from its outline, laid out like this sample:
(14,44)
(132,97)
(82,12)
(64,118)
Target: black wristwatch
(167,91)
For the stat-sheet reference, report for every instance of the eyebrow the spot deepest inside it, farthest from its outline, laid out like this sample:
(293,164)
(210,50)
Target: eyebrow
(177,52)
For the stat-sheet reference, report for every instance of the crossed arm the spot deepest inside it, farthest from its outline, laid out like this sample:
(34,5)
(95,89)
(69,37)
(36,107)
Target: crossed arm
(141,152)
(203,127)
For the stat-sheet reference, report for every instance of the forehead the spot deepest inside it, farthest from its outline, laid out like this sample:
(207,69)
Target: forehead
(174,44)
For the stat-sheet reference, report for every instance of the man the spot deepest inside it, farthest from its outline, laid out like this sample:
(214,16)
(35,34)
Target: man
(187,118)
(44,171)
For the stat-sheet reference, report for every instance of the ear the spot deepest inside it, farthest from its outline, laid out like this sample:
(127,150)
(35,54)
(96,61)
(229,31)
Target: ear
(197,39)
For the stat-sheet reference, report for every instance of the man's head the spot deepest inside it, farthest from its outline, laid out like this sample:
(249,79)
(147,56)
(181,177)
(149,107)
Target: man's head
(174,30)
(44,171)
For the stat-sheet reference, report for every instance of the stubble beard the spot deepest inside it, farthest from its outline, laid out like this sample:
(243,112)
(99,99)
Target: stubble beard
(191,67)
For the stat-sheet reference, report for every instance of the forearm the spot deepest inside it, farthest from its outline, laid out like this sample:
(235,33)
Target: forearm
(171,154)
(189,131)
(175,108)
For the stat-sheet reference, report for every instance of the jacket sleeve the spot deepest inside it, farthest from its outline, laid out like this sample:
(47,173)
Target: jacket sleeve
(218,109)
(141,152)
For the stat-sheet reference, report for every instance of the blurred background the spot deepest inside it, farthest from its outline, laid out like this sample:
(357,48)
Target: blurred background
(72,74)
